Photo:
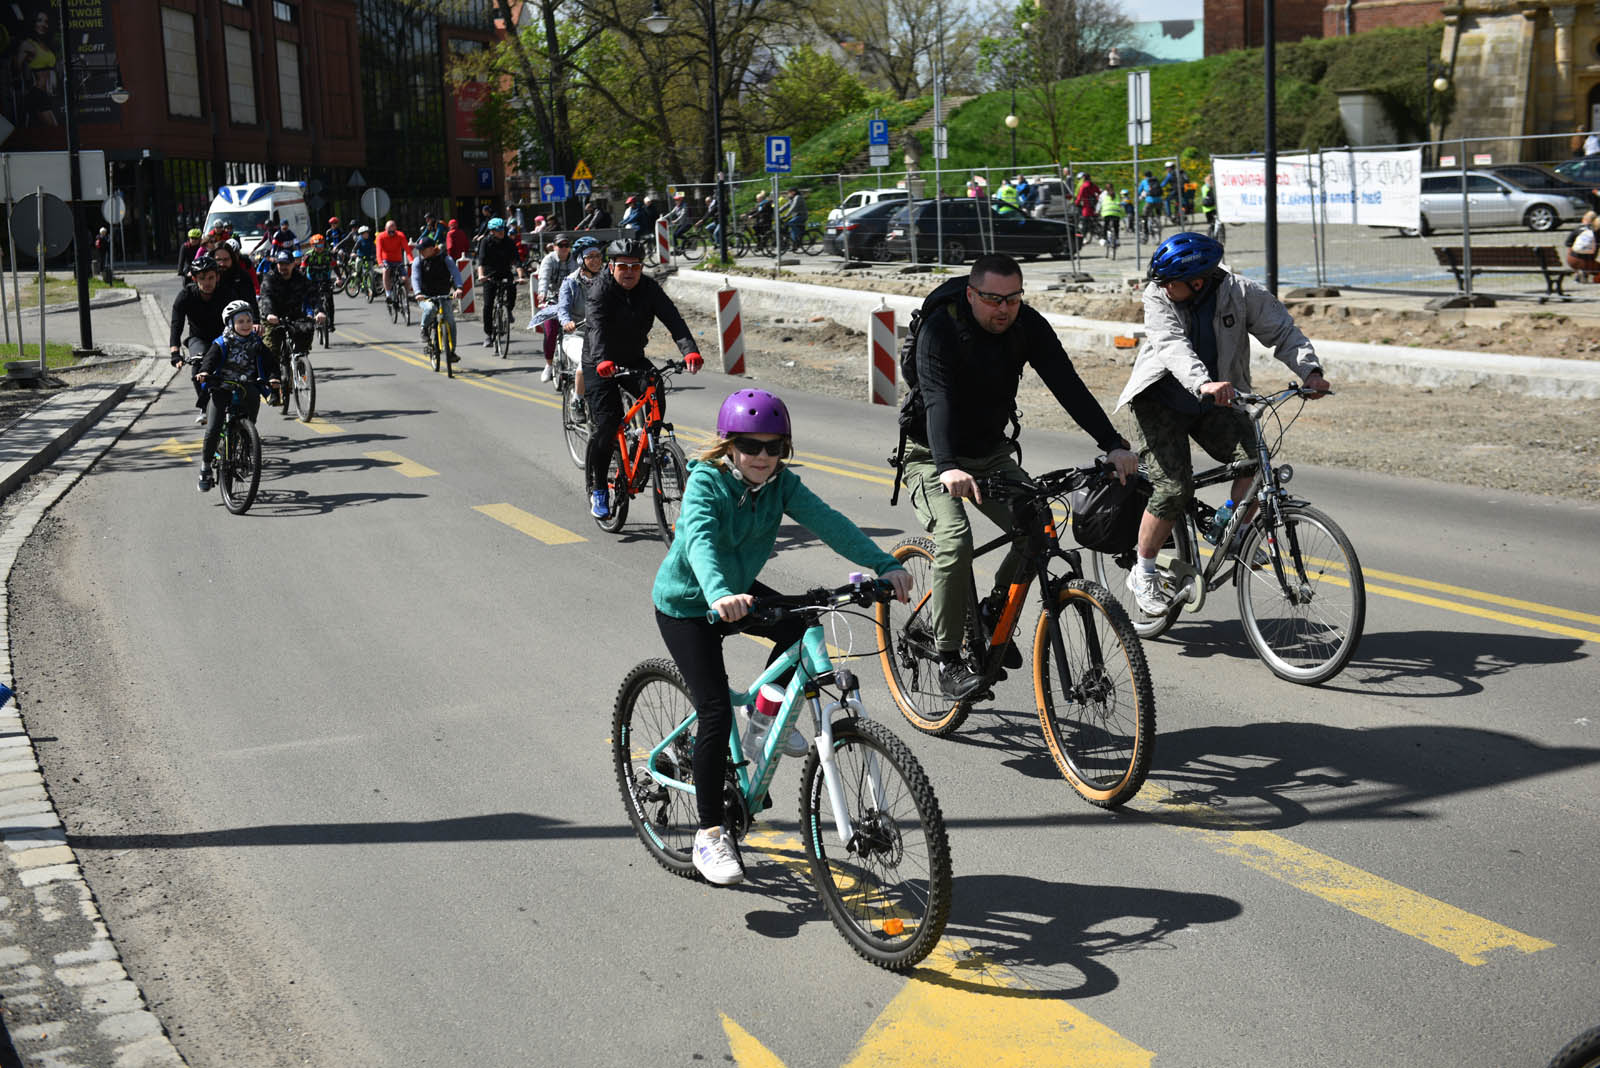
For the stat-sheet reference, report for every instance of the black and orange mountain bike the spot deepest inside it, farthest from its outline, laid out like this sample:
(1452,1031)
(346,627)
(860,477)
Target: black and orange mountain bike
(647,452)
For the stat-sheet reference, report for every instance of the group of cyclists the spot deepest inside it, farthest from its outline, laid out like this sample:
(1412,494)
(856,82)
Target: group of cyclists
(1102,212)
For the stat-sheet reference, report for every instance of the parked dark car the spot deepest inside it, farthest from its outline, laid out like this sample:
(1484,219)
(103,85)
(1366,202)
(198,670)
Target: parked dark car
(860,234)
(1536,177)
(1584,171)
(970,228)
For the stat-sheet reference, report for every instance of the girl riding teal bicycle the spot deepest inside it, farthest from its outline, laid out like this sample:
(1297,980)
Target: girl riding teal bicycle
(738,492)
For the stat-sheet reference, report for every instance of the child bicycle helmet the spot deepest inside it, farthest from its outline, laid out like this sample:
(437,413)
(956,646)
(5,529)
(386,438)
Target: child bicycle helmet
(1183,256)
(235,308)
(752,411)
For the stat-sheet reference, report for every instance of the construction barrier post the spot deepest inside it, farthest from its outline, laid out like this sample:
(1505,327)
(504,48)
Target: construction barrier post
(881,357)
(730,330)
(664,242)
(464,265)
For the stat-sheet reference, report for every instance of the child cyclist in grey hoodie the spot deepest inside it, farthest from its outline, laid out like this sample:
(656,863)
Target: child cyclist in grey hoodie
(737,495)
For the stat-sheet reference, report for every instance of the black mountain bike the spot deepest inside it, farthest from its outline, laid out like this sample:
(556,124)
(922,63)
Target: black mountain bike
(325,306)
(396,297)
(497,308)
(294,369)
(1091,684)
(236,465)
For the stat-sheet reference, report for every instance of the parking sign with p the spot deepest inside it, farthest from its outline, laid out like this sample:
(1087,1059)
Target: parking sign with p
(778,159)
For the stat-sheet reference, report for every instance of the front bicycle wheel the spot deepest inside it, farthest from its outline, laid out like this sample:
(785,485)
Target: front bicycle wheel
(908,651)
(691,247)
(405,305)
(887,890)
(1305,626)
(305,388)
(652,701)
(352,284)
(241,467)
(1096,705)
(617,491)
(669,474)
(447,346)
(575,422)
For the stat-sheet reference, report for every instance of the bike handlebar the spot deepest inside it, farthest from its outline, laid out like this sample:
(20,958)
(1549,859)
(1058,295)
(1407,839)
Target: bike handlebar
(1049,484)
(671,367)
(858,591)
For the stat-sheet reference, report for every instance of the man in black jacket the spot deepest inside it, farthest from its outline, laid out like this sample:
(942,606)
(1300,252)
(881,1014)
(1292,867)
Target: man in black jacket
(971,351)
(285,295)
(199,307)
(623,305)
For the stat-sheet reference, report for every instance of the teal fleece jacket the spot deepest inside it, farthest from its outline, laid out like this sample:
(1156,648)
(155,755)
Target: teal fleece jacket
(725,534)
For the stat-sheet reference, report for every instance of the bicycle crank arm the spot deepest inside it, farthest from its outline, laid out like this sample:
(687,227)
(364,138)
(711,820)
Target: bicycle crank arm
(1190,584)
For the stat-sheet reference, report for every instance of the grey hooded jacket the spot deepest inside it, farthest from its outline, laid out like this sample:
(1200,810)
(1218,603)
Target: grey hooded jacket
(1243,309)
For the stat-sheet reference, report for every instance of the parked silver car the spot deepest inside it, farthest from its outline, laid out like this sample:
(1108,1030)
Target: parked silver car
(1494,200)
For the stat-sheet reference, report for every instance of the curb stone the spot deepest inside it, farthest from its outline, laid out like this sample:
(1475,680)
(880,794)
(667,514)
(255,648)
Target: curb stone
(64,994)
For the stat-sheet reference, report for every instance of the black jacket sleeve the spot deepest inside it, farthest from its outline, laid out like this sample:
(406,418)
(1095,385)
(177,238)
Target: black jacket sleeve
(212,359)
(179,305)
(936,343)
(1047,356)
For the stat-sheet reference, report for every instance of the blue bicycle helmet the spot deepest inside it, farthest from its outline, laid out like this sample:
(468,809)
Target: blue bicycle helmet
(1184,256)
(581,247)
(497,223)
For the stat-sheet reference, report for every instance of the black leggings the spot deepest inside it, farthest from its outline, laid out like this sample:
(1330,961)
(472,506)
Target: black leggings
(696,647)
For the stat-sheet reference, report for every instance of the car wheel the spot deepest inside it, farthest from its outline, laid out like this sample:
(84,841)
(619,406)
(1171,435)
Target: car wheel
(1423,229)
(878,251)
(1541,217)
(955,251)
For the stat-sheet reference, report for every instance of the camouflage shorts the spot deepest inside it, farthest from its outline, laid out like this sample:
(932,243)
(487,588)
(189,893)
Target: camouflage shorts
(1165,433)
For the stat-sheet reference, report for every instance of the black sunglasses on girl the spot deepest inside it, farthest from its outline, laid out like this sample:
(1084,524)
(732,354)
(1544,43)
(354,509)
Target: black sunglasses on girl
(755,446)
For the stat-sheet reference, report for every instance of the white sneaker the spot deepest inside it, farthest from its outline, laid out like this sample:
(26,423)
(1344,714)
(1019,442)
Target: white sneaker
(795,744)
(714,858)
(1146,589)
(548,374)
(201,421)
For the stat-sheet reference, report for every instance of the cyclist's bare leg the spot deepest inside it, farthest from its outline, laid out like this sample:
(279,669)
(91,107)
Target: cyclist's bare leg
(1153,534)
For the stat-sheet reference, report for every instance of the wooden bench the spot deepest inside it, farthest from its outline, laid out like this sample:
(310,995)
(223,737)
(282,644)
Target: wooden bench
(1510,259)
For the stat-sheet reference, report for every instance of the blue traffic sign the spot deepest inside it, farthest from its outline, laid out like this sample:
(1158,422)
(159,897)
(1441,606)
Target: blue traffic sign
(581,187)
(485,178)
(553,187)
(877,131)
(778,159)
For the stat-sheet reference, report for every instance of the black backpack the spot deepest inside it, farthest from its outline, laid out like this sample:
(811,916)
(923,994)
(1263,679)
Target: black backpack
(913,412)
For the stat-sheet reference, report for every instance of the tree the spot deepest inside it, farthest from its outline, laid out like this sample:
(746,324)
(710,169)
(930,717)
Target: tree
(895,42)
(810,92)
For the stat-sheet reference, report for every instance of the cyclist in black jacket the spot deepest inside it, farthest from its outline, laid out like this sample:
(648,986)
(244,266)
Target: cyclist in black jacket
(499,270)
(971,351)
(285,295)
(623,305)
(199,307)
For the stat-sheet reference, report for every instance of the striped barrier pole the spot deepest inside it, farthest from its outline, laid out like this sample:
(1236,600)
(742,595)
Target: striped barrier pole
(663,243)
(881,356)
(730,330)
(464,265)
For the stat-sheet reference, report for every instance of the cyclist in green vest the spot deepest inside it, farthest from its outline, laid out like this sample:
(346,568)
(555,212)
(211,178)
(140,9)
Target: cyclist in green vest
(1111,215)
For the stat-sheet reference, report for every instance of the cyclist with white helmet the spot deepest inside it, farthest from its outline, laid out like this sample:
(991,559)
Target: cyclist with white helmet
(738,492)
(236,356)
(553,270)
(1199,318)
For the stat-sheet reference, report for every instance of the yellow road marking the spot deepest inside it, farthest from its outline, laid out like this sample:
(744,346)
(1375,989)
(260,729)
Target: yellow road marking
(322,426)
(180,449)
(938,1019)
(400,465)
(529,524)
(1468,938)
(470,378)
(841,467)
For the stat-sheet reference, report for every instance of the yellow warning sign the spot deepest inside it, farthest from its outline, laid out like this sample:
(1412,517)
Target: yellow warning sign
(581,171)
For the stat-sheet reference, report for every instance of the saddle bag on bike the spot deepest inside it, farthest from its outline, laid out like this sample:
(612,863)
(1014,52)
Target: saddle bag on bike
(1106,513)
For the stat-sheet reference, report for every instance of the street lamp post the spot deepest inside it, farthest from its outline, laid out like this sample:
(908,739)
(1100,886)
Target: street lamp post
(657,22)
(80,232)
(1437,84)
(1011,121)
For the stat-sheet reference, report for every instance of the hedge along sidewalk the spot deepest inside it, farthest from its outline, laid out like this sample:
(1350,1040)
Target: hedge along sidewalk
(1348,360)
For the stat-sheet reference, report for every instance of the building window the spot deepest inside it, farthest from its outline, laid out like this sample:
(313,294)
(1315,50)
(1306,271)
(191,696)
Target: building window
(284,12)
(234,3)
(183,70)
(289,86)
(241,76)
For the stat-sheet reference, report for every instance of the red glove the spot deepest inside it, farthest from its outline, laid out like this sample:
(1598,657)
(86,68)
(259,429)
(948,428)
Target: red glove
(695,362)
(605,368)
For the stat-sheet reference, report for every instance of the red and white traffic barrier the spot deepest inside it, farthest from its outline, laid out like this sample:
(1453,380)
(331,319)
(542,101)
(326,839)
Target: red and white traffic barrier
(730,330)
(664,242)
(464,265)
(881,356)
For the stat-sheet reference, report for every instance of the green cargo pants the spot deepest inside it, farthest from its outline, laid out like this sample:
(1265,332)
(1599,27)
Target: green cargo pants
(945,518)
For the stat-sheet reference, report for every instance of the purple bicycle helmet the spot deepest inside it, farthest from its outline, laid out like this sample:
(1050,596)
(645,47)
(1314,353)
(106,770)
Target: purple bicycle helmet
(752,411)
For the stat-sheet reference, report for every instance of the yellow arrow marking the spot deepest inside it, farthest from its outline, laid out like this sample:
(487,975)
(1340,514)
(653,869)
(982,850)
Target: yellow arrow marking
(529,524)
(400,465)
(181,449)
(939,1020)
(1467,937)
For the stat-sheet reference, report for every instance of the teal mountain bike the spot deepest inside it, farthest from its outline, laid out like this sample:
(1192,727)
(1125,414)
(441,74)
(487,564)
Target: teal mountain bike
(873,835)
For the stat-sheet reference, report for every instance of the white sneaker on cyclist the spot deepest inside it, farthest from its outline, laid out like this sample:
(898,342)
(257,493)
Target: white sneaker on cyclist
(548,373)
(715,859)
(795,744)
(1146,589)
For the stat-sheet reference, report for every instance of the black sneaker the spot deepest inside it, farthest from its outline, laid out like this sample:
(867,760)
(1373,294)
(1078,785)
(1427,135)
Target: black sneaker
(204,483)
(1013,655)
(957,680)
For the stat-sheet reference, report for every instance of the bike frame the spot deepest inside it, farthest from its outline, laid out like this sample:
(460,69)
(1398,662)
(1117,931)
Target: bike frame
(809,658)
(649,403)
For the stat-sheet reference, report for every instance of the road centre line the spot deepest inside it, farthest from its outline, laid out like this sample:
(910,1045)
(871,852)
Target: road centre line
(939,1018)
(470,378)
(529,524)
(400,465)
(1379,590)
(1468,938)
(322,426)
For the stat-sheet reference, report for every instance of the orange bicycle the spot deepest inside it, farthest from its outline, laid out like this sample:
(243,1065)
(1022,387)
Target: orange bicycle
(646,450)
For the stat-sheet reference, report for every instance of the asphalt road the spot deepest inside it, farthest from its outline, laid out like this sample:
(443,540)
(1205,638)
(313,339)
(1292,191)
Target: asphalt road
(338,771)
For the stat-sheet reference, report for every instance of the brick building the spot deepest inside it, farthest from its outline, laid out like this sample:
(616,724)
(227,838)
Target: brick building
(229,91)
(1231,24)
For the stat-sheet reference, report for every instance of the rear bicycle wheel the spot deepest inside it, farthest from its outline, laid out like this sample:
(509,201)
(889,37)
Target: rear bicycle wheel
(1111,571)
(447,346)
(574,423)
(1100,720)
(887,890)
(617,493)
(305,387)
(691,247)
(669,474)
(651,702)
(1307,626)
(405,304)
(909,655)
(240,474)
